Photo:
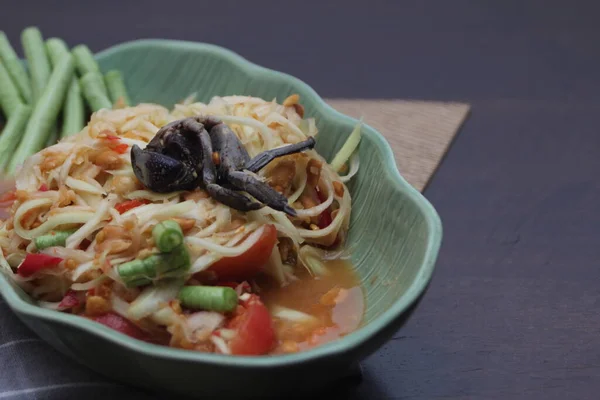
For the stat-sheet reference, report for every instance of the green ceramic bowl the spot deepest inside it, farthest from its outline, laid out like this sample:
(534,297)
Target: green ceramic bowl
(395,235)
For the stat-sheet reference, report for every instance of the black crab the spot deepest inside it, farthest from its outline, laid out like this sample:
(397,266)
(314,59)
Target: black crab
(204,152)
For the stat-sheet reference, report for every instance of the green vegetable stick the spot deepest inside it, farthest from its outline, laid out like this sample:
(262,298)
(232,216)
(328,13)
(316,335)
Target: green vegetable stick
(54,238)
(84,60)
(167,235)
(38,63)
(212,298)
(73,111)
(91,86)
(141,272)
(45,112)
(56,48)
(347,148)
(11,134)
(15,68)
(116,87)
(85,63)
(9,94)
(73,117)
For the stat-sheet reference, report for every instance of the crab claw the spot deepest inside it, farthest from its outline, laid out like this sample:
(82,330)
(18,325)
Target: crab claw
(161,173)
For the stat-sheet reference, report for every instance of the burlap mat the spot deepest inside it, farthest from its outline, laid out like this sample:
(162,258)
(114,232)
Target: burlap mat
(418,131)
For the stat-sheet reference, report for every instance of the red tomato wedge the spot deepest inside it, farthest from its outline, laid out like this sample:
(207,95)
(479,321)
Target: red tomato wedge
(249,263)
(254,329)
(325,218)
(8,197)
(120,324)
(121,148)
(36,262)
(129,204)
(70,300)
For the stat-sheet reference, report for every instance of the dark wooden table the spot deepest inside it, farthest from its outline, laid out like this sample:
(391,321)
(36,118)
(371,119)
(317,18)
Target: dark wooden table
(512,312)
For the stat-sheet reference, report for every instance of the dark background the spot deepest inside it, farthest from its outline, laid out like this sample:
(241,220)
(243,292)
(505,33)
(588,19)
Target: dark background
(512,312)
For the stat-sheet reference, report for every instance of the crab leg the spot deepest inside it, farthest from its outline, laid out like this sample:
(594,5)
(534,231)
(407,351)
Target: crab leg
(261,191)
(209,176)
(262,159)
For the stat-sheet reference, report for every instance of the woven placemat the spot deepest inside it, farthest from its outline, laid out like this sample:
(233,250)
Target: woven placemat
(419,132)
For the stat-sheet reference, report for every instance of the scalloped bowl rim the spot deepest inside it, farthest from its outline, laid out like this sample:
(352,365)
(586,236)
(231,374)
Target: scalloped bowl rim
(363,334)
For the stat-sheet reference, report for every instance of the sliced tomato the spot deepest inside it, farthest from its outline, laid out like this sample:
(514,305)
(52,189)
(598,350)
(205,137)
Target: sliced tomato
(249,263)
(70,300)
(121,148)
(36,262)
(112,138)
(43,187)
(325,218)
(254,329)
(6,201)
(8,197)
(130,204)
(121,324)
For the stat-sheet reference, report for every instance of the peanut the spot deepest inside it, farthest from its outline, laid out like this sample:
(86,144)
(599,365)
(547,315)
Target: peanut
(70,263)
(313,169)
(185,223)
(52,160)
(96,305)
(108,159)
(124,184)
(338,187)
(299,110)
(328,299)
(291,100)
(282,175)
(289,346)
(216,158)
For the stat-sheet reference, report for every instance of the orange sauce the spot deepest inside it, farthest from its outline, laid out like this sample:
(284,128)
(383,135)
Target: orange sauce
(335,301)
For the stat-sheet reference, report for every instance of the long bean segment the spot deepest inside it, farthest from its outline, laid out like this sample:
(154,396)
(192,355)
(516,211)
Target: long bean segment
(11,134)
(84,60)
(15,68)
(56,48)
(157,266)
(73,113)
(167,235)
(39,65)
(116,88)
(91,85)
(9,94)
(54,238)
(45,112)
(211,298)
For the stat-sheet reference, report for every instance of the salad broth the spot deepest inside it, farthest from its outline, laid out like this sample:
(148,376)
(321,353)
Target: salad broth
(336,301)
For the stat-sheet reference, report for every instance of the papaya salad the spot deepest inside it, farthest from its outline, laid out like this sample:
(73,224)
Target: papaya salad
(210,227)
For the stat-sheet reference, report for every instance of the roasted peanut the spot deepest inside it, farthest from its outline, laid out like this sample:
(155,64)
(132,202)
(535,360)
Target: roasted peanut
(291,100)
(338,187)
(313,169)
(282,176)
(185,223)
(216,158)
(52,160)
(289,346)
(96,305)
(124,184)
(299,110)
(108,159)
